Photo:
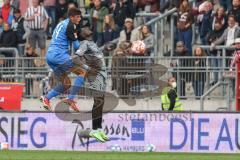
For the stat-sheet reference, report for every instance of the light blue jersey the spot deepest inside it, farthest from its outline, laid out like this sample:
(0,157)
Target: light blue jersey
(58,58)
(63,35)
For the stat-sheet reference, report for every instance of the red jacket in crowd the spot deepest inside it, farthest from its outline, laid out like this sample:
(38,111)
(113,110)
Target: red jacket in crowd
(5,12)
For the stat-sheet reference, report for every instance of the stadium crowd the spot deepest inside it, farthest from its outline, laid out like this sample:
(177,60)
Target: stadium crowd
(27,24)
(109,17)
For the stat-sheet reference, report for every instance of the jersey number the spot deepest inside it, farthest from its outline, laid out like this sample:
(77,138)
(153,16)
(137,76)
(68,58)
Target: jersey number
(57,30)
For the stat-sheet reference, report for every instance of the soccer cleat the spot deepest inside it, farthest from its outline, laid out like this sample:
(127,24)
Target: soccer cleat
(103,135)
(46,103)
(97,135)
(72,104)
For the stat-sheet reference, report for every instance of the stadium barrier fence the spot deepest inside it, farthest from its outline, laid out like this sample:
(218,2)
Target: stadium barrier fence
(130,76)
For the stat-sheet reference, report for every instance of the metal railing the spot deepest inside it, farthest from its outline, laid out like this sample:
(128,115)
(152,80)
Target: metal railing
(227,79)
(158,17)
(139,14)
(12,61)
(133,76)
(159,29)
(154,22)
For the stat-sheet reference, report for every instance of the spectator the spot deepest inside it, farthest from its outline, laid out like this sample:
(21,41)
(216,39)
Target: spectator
(235,10)
(199,76)
(169,4)
(82,5)
(23,5)
(127,34)
(1,25)
(216,5)
(181,52)
(123,49)
(123,9)
(108,4)
(50,7)
(30,52)
(19,25)
(29,63)
(72,4)
(15,4)
(8,39)
(215,34)
(205,25)
(229,34)
(109,33)
(41,2)
(97,15)
(139,4)
(152,6)
(147,37)
(220,16)
(37,18)
(89,5)
(184,25)
(61,10)
(227,4)
(5,11)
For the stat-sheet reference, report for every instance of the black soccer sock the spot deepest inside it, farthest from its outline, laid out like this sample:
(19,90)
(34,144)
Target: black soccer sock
(97,112)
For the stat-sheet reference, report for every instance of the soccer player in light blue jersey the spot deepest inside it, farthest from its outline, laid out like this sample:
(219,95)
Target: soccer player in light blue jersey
(59,59)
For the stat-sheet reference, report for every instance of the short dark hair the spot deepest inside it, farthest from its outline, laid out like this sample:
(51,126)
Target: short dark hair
(74,12)
(232,16)
(16,11)
(86,33)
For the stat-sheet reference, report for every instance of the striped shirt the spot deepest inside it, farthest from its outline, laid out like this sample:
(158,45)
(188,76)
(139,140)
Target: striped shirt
(92,53)
(94,58)
(40,16)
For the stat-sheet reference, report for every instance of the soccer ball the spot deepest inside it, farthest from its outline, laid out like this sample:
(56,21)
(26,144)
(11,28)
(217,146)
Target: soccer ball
(115,148)
(4,146)
(150,148)
(138,47)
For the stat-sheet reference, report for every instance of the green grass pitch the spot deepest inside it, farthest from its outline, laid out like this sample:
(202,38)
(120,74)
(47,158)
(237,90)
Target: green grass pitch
(64,155)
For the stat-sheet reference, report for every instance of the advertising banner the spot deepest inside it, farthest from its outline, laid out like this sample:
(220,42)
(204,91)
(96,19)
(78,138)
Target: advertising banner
(178,132)
(11,96)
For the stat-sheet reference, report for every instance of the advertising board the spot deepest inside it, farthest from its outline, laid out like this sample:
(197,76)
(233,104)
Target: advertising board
(168,132)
